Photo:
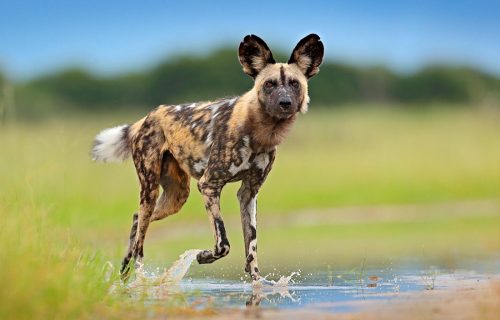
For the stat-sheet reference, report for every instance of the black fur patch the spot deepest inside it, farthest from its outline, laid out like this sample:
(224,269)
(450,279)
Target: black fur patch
(219,224)
(252,49)
(250,258)
(282,76)
(254,233)
(311,47)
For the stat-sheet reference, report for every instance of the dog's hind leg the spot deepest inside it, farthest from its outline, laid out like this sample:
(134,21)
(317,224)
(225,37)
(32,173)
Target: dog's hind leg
(175,184)
(147,155)
(133,230)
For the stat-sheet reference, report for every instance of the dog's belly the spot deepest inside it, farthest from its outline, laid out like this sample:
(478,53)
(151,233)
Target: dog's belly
(192,158)
(196,166)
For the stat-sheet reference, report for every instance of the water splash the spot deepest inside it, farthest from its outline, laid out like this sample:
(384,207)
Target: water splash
(159,285)
(152,284)
(180,267)
(283,281)
(169,277)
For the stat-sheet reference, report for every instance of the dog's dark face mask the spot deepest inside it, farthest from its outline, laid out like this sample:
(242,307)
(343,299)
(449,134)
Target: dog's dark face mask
(281,87)
(281,95)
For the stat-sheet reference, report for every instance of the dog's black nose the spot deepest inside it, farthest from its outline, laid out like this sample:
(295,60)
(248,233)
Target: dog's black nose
(285,103)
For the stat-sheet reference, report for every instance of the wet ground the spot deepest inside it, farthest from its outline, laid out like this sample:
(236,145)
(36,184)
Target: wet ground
(322,293)
(329,292)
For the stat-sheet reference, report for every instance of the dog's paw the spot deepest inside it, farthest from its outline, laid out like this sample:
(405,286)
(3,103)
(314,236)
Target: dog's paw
(125,270)
(205,256)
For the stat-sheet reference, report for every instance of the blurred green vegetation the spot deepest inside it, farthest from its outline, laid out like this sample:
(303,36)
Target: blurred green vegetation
(192,78)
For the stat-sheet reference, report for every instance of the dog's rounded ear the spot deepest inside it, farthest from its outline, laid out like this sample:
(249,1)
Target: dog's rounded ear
(254,55)
(308,54)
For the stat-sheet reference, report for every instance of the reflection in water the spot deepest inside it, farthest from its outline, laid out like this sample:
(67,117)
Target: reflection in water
(326,291)
(258,294)
(264,289)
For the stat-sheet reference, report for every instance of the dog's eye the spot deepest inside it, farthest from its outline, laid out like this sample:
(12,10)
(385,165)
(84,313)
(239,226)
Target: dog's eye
(269,84)
(294,83)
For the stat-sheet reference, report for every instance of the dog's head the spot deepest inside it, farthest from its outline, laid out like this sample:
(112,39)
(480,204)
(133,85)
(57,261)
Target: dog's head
(281,87)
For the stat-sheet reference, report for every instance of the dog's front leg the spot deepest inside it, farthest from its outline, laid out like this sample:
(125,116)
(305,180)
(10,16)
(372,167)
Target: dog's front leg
(247,196)
(211,196)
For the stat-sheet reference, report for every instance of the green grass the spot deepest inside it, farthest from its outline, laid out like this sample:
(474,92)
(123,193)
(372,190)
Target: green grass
(44,272)
(64,216)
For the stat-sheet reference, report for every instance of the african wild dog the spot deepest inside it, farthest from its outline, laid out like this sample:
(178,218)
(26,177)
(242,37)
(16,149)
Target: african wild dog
(216,142)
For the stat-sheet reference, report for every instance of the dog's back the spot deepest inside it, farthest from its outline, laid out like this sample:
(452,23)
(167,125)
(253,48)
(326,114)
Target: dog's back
(186,130)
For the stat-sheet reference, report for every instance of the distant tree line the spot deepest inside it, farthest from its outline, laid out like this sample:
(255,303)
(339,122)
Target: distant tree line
(189,78)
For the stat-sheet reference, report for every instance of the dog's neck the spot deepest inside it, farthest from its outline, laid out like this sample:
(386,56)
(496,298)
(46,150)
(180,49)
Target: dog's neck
(265,131)
(268,132)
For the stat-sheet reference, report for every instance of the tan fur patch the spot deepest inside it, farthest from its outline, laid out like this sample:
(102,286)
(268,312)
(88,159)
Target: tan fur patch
(239,117)
(134,128)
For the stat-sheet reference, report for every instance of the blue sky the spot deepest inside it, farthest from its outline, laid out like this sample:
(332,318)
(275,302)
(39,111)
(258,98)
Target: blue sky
(112,36)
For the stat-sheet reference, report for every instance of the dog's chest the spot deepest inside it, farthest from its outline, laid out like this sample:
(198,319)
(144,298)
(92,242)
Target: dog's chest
(232,164)
(226,159)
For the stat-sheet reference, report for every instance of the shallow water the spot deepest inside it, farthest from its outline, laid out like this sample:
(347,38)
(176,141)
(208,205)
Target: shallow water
(317,292)
(327,291)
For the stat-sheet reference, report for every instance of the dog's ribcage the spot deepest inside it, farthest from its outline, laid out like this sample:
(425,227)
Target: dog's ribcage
(199,131)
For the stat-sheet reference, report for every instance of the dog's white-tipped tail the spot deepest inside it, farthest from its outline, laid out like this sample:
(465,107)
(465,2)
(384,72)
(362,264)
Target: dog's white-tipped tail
(111,145)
